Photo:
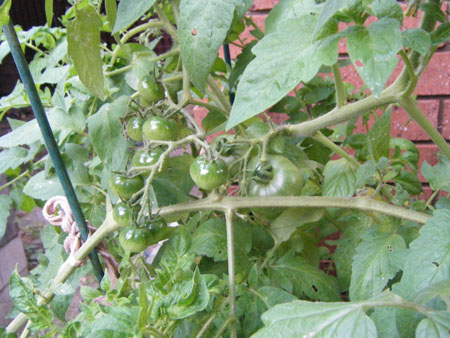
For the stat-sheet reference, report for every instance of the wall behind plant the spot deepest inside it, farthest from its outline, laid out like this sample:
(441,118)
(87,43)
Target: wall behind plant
(433,90)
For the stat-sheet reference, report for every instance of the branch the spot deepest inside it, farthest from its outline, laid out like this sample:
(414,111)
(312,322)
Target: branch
(345,113)
(411,107)
(231,273)
(227,203)
(341,96)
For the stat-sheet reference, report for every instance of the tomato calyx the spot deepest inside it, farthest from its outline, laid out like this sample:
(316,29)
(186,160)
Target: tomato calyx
(263,174)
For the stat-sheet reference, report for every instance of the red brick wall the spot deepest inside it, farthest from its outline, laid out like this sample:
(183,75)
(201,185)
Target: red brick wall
(433,89)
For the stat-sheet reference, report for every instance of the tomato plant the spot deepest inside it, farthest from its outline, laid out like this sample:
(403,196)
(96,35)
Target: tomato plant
(313,226)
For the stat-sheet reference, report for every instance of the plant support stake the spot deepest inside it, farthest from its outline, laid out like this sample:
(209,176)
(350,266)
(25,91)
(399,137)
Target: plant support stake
(50,142)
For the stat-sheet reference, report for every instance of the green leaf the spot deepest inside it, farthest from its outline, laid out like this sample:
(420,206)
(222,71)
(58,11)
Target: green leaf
(4,12)
(441,34)
(83,38)
(409,181)
(438,175)
(5,207)
(349,240)
(379,136)
(106,134)
(242,6)
(283,59)
(364,174)
(339,179)
(176,254)
(387,9)
(129,11)
(384,319)
(417,39)
(428,328)
(174,185)
(12,158)
(202,27)
(429,259)
(180,311)
(21,293)
(241,63)
(306,319)
(289,9)
(210,239)
(49,12)
(329,9)
(111,12)
(42,187)
(291,219)
(439,289)
(296,275)
(373,51)
(119,322)
(252,304)
(372,266)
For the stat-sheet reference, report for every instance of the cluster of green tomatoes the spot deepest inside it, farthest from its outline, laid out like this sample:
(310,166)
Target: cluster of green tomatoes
(228,159)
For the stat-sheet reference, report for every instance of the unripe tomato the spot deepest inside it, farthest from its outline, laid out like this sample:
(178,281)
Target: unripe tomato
(276,177)
(134,128)
(159,230)
(135,239)
(145,158)
(124,186)
(208,174)
(123,214)
(150,91)
(157,128)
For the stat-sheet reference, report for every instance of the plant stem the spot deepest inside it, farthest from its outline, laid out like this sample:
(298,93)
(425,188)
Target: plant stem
(15,179)
(231,273)
(131,33)
(223,327)
(166,23)
(411,107)
(319,137)
(205,326)
(171,78)
(208,106)
(66,269)
(345,113)
(119,71)
(341,97)
(219,94)
(433,195)
(364,203)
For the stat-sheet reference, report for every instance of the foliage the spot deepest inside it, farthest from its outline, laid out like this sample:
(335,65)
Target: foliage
(272,235)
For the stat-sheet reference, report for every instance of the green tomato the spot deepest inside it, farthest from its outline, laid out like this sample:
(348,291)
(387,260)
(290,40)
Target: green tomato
(208,174)
(124,186)
(150,91)
(157,128)
(134,128)
(145,158)
(135,239)
(123,214)
(276,177)
(159,230)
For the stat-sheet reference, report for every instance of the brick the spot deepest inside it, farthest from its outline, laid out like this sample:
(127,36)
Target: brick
(402,126)
(446,120)
(11,254)
(426,193)
(435,80)
(429,153)
(263,5)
